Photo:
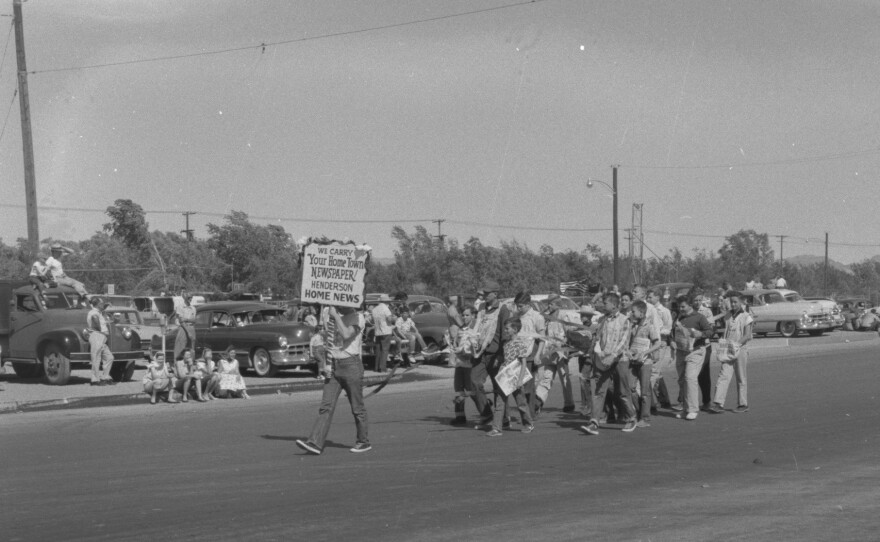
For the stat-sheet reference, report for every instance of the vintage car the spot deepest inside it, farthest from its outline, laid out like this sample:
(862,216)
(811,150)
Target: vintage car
(264,339)
(428,313)
(131,318)
(825,304)
(153,307)
(49,340)
(784,311)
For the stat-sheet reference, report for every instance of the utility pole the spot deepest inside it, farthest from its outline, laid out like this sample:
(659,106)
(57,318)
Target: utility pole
(781,237)
(27,141)
(825,277)
(614,225)
(439,235)
(188,231)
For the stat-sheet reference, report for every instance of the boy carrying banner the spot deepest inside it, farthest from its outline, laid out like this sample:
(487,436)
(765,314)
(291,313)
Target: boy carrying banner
(511,377)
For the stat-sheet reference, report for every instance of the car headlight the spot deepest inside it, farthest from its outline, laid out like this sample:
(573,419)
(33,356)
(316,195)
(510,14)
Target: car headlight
(126,333)
(282,341)
(85,333)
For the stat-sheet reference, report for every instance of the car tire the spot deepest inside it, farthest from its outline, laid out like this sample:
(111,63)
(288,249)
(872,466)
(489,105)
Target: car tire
(261,362)
(788,329)
(122,371)
(28,370)
(56,366)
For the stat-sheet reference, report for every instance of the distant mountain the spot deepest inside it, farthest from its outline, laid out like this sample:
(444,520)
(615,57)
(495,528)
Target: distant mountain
(807,260)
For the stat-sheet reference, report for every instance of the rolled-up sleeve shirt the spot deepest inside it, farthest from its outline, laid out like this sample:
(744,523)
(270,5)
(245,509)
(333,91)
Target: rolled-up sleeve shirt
(614,334)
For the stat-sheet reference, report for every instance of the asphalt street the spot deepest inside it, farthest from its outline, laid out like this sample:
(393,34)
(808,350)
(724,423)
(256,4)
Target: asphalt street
(801,465)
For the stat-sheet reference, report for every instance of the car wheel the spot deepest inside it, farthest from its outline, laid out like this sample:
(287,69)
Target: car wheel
(815,332)
(28,370)
(122,371)
(56,366)
(262,363)
(788,329)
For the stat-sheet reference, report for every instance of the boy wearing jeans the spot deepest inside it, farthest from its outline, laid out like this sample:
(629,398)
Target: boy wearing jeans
(516,348)
(343,328)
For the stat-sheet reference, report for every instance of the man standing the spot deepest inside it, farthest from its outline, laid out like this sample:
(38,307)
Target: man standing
(99,332)
(382,319)
(343,328)
(532,324)
(644,342)
(610,367)
(582,339)
(186,330)
(56,271)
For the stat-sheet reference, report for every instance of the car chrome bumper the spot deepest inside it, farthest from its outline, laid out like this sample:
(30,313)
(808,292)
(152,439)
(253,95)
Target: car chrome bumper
(296,354)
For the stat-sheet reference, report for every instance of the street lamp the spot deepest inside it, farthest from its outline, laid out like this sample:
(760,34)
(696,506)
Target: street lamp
(613,190)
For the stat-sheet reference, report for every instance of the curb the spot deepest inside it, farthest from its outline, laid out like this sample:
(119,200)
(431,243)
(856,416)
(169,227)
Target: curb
(142,398)
(765,347)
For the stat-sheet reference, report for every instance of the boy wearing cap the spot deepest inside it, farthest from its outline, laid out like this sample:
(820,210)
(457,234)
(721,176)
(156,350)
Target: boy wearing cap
(98,333)
(56,270)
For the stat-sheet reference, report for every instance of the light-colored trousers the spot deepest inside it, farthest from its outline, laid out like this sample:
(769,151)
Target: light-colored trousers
(544,376)
(729,369)
(100,354)
(688,365)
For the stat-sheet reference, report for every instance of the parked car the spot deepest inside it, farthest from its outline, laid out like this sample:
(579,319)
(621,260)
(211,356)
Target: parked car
(825,304)
(428,313)
(153,307)
(263,338)
(132,319)
(777,310)
(48,341)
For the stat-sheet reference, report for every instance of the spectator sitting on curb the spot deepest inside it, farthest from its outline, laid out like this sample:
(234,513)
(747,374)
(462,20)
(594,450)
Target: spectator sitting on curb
(185,369)
(158,380)
(206,370)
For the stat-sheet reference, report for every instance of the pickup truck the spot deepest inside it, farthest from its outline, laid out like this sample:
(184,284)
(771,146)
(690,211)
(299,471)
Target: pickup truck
(48,341)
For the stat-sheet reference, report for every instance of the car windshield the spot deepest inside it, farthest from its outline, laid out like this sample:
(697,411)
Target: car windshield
(263,316)
(425,307)
(126,317)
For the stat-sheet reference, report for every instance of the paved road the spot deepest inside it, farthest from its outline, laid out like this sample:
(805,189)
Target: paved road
(802,465)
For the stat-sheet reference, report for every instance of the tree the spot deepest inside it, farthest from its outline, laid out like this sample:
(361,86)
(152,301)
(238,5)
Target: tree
(745,255)
(128,224)
(263,257)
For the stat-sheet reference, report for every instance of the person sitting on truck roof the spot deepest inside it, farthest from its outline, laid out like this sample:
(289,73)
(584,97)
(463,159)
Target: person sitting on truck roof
(56,270)
(39,276)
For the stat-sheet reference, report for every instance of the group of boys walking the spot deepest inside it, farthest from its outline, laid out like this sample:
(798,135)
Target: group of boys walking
(622,350)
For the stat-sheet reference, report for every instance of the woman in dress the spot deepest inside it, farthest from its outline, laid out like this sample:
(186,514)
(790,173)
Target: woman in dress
(158,379)
(187,376)
(231,382)
(206,370)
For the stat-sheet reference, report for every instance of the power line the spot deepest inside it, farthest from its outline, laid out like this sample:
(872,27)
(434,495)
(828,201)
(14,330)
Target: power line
(262,46)
(794,239)
(804,160)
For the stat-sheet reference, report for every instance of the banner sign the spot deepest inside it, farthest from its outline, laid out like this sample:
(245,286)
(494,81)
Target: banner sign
(333,273)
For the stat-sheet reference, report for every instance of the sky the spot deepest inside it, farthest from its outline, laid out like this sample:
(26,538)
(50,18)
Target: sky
(491,115)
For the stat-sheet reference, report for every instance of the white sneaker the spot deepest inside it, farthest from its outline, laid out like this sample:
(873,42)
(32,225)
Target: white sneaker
(691,416)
